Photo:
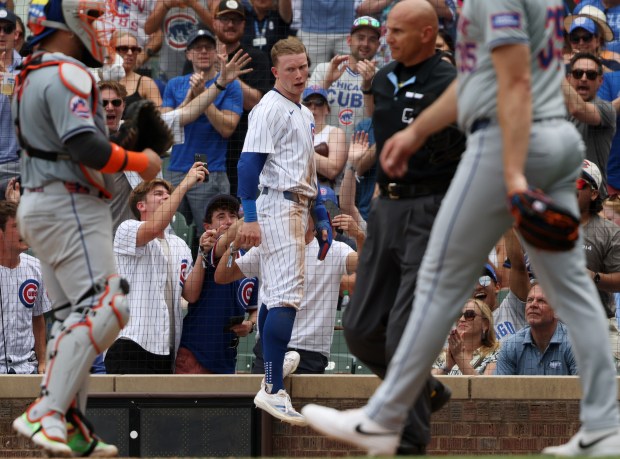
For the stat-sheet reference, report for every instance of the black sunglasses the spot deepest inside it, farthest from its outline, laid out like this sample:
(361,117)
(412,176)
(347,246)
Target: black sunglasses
(590,74)
(587,38)
(125,49)
(114,102)
(469,314)
(7,28)
(315,102)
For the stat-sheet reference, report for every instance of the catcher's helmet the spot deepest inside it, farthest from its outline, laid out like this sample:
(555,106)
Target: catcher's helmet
(82,17)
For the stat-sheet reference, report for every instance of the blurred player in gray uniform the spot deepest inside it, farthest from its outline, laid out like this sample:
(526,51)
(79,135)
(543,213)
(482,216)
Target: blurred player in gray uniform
(63,216)
(509,101)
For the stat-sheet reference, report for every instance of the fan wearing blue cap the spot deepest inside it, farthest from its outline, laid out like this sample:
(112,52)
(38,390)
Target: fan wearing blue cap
(329,141)
(588,32)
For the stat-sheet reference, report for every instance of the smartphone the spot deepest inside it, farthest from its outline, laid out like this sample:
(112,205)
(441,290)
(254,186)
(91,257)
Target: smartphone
(202,158)
(232,321)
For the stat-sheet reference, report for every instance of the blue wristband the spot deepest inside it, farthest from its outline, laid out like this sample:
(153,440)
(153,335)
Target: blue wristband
(249,210)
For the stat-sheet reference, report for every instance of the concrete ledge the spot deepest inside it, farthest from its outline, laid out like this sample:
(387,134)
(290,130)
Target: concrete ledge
(306,386)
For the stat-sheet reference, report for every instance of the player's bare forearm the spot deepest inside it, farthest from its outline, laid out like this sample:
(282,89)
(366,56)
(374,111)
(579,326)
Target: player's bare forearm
(519,277)
(225,274)
(514,110)
(40,340)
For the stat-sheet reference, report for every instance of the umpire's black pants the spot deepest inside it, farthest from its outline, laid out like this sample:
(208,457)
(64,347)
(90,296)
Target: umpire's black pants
(398,232)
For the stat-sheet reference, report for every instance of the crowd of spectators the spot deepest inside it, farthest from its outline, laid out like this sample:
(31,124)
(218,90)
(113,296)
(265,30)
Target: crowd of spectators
(205,64)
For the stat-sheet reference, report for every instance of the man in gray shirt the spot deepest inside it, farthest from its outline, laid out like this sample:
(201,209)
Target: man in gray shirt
(594,118)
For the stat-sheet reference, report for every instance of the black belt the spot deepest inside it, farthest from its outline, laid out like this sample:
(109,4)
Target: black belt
(290,196)
(408,191)
(482,123)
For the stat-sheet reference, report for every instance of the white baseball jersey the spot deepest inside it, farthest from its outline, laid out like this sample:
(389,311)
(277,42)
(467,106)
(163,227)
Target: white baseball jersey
(284,131)
(485,25)
(146,270)
(130,16)
(22,297)
(313,329)
(346,101)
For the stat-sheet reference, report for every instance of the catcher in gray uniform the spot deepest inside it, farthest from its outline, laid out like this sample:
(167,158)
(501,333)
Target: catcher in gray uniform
(63,216)
(510,103)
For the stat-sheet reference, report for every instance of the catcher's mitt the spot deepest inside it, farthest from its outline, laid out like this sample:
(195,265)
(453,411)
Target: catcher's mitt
(144,128)
(543,223)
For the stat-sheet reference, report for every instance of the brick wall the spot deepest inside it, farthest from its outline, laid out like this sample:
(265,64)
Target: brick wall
(487,415)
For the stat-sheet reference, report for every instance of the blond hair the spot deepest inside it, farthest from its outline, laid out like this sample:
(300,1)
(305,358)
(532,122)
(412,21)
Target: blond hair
(287,46)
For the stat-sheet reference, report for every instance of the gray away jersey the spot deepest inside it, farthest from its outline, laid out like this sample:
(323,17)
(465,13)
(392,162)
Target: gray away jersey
(488,24)
(50,114)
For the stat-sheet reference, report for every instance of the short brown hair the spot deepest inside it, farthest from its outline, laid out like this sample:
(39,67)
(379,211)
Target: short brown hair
(8,209)
(115,86)
(286,46)
(139,193)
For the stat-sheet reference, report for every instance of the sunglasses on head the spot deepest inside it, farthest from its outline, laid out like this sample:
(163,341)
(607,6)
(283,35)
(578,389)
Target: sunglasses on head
(7,28)
(114,102)
(583,183)
(576,38)
(315,102)
(366,21)
(469,314)
(590,74)
(485,281)
(125,49)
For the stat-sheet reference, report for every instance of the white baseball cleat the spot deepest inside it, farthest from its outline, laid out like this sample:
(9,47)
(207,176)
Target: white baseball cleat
(279,406)
(603,443)
(291,362)
(353,427)
(54,446)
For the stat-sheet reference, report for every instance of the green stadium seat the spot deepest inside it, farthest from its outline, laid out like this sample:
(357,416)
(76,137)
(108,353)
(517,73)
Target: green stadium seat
(339,343)
(360,369)
(182,229)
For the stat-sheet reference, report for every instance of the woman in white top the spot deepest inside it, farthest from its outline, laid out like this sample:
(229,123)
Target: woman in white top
(332,156)
(472,346)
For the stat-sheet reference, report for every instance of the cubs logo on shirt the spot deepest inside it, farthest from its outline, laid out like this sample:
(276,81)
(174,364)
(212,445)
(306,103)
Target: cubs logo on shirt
(28,292)
(177,30)
(183,276)
(247,286)
(346,117)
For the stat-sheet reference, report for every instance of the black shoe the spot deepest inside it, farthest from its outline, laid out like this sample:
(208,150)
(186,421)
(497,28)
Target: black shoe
(411,450)
(439,396)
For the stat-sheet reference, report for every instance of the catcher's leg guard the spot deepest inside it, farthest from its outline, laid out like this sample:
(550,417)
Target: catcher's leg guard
(74,344)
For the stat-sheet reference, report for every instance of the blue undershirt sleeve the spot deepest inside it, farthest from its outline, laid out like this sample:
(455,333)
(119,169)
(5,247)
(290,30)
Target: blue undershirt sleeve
(249,168)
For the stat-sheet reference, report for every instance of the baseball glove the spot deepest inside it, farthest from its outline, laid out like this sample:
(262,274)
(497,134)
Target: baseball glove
(144,128)
(543,223)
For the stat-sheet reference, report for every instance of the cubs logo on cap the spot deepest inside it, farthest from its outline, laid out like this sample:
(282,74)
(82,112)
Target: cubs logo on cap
(28,292)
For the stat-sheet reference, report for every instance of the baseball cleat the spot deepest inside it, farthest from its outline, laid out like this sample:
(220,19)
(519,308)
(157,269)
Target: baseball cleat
(279,406)
(439,396)
(53,446)
(605,443)
(82,447)
(291,362)
(353,427)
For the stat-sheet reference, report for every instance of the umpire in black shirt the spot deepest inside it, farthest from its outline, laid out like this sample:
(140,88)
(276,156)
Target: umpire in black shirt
(400,220)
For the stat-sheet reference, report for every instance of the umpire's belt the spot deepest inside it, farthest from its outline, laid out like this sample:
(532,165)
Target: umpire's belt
(408,191)
(290,196)
(66,187)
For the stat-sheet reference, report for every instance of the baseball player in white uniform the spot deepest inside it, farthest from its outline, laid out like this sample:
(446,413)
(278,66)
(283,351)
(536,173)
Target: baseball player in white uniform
(23,301)
(510,101)
(64,217)
(278,152)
